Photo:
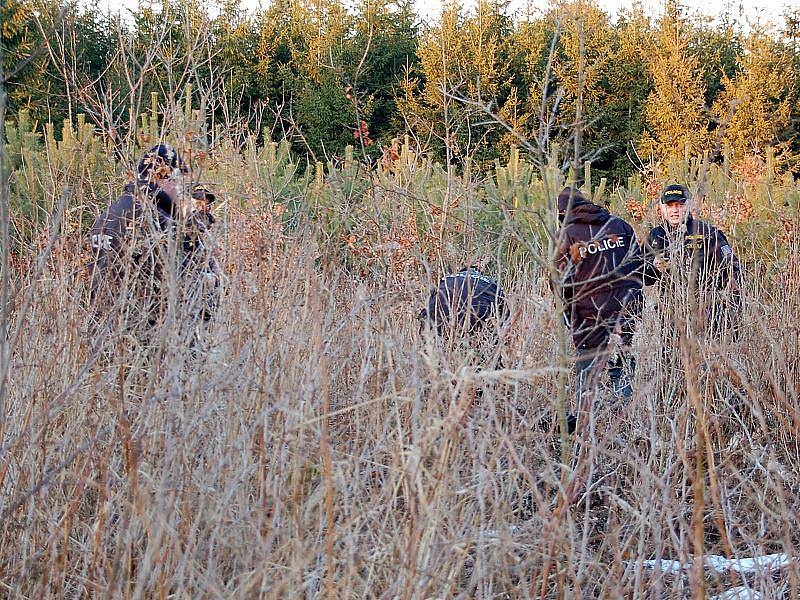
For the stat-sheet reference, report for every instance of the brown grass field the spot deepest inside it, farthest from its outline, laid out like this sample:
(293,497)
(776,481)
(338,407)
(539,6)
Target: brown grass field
(314,444)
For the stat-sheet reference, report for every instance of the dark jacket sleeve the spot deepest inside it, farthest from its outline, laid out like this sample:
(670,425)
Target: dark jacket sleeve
(563,283)
(727,259)
(636,254)
(438,310)
(108,245)
(653,247)
(729,271)
(199,266)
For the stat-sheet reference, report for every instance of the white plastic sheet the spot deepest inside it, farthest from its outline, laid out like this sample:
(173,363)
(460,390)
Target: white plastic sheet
(739,593)
(765,563)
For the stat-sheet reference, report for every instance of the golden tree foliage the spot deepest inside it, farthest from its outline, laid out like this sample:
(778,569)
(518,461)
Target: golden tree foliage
(598,78)
(628,76)
(313,30)
(587,49)
(462,55)
(483,45)
(463,51)
(332,73)
(531,39)
(755,107)
(442,56)
(677,120)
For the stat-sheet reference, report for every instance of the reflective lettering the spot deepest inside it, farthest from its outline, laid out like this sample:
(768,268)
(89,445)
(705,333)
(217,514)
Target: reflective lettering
(101,241)
(592,248)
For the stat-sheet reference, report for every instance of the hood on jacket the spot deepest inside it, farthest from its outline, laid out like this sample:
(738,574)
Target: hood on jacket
(574,207)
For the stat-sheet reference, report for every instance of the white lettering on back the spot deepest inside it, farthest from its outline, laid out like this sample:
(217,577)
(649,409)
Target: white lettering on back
(101,241)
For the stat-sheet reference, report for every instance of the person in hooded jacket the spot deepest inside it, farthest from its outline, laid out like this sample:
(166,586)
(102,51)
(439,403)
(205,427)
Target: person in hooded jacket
(599,277)
(147,205)
(693,265)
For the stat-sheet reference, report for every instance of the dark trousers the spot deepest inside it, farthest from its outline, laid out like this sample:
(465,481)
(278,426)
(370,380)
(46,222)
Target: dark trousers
(591,363)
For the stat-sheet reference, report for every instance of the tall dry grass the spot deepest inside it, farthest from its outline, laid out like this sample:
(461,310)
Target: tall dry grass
(309,442)
(314,444)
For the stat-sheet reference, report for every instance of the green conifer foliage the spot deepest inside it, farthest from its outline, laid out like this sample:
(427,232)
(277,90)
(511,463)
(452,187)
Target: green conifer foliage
(677,120)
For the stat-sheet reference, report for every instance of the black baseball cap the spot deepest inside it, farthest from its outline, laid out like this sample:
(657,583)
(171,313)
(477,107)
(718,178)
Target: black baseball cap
(201,192)
(675,193)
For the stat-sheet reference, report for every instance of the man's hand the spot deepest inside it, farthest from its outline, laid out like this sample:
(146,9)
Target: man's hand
(661,263)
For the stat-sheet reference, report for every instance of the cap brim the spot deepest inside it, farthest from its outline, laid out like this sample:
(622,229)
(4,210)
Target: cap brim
(203,195)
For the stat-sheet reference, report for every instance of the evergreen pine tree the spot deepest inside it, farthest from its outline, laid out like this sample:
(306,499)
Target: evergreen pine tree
(677,121)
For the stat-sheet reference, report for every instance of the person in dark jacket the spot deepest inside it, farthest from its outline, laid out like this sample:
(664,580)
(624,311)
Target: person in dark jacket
(467,305)
(134,240)
(199,268)
(599,268)
(693,264)
(134,229)
(202,203)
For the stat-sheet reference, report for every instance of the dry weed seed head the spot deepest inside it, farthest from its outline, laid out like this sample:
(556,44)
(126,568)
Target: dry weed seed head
(637,209)
(751,169)
(391,155)
(653,184)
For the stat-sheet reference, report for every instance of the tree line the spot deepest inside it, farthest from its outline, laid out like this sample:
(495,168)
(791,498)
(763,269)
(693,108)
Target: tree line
(620,91)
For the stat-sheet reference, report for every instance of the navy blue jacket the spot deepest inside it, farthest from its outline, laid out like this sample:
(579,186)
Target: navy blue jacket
(114,231)
(702,260)
(704,250)
(466,300)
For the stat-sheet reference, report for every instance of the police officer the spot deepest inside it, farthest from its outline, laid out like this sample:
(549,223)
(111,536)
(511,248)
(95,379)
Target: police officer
(127,233)
(200,270)
(467,305)
(202,204)
(693,264)
(599,276)
(135,241)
